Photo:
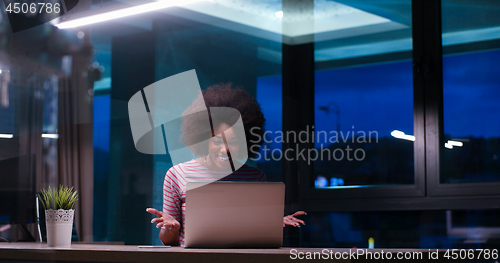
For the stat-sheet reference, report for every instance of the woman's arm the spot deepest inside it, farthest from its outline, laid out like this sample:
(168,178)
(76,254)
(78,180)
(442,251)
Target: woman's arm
(169,236)
(169,218)
(169,233)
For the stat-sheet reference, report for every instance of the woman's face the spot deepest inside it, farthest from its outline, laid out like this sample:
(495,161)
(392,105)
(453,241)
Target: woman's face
(218,150)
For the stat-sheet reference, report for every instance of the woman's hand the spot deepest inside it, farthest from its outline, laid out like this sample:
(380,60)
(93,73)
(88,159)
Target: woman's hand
(169,233)
(164,220)
(291,220)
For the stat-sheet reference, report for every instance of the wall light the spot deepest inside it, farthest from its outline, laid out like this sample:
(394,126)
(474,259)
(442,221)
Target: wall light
(138,9)
(6,136)
(402,135)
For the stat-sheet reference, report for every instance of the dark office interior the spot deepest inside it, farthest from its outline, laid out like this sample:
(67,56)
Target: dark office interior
(398,103)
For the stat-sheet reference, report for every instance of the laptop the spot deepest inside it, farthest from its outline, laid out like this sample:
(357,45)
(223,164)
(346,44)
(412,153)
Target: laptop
(234,214)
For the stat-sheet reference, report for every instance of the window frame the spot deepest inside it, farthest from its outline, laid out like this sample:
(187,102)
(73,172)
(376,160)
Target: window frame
(427,192)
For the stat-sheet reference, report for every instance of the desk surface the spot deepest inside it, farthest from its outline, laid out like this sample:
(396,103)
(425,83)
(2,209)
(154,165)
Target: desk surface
(129,253)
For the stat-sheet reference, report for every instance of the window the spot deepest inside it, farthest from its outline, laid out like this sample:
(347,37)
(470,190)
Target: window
(471,122)
(364,105)
(359,110)
(470,93)
(454,96)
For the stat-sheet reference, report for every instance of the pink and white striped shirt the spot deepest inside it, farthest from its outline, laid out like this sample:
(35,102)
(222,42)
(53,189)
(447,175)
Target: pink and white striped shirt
(174,186)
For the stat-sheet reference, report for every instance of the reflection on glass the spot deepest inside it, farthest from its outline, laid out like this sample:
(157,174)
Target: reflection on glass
(476,229)
(224,41)
(469,21)
(269,96)
(356,121)
(471,122)
(364,96)
(470,92)
(28,105)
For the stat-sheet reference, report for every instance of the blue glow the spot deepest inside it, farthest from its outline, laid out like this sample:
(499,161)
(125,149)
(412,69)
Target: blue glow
(355,186)
(321,182)
(102,105)
(270,98)
(471,94)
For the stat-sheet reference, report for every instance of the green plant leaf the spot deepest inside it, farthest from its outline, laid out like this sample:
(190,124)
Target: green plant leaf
(58,198)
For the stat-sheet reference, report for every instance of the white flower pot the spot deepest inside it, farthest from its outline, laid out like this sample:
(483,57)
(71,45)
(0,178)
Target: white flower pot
(59,227)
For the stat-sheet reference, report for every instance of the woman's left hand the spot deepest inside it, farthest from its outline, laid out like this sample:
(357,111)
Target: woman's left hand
(291,220)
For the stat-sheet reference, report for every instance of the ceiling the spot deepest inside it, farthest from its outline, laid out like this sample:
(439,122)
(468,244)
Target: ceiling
(340,29)
(302,21)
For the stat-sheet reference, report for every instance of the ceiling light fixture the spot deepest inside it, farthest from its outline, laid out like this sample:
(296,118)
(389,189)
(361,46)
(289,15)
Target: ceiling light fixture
(129,11)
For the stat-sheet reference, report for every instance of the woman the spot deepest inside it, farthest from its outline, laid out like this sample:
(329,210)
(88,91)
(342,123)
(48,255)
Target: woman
(217,156)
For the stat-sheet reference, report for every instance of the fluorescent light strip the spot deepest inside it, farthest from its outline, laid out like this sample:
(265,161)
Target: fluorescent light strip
(139,9)
(6,136)
(50,136)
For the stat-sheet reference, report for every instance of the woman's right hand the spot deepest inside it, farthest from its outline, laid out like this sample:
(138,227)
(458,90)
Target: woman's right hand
(164,219)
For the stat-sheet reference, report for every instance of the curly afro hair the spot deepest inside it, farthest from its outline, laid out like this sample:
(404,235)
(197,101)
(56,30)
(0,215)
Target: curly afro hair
(194,129)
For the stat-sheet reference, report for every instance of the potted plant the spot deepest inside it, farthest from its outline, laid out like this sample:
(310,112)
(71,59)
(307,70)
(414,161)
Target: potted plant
(59,207)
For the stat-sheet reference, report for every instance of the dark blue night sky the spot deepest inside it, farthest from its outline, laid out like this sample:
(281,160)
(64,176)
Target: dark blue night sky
(471,85)
(379,97)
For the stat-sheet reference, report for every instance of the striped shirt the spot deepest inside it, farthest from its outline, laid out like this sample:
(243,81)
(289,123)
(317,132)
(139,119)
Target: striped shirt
(174,186)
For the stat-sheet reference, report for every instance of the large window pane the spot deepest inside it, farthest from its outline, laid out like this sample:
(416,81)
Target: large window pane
(460,229)
(364,98)
(471,79)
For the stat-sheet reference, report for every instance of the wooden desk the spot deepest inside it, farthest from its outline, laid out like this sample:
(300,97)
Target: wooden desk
(29,252)
(39,252)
